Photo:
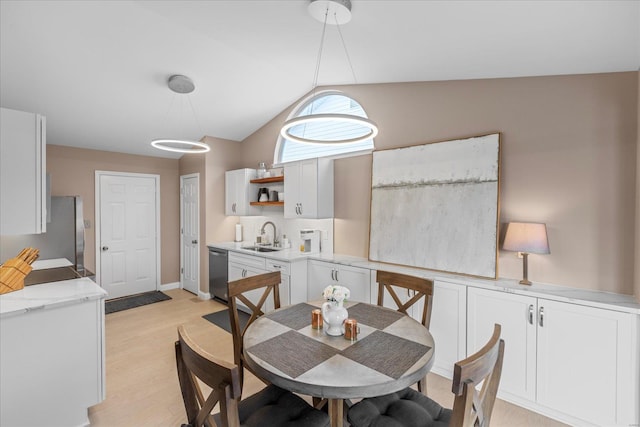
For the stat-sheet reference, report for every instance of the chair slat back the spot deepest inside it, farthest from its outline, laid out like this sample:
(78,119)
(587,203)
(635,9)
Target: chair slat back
(472,407)
(422,289)
(237,288)
(194,363)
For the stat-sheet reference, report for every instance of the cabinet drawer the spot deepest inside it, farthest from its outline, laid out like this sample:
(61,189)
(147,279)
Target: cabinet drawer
(248,260)
(275,265)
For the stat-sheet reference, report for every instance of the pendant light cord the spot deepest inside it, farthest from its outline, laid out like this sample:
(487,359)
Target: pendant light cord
(346,52)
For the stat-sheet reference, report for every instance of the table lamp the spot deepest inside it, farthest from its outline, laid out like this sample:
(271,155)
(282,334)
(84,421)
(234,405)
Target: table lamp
(526,237)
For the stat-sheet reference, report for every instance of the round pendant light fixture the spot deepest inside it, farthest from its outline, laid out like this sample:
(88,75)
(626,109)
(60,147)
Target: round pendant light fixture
(182,85)
(335,12)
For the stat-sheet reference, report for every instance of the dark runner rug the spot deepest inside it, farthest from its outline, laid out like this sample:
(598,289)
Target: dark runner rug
(133,301)
(221,319)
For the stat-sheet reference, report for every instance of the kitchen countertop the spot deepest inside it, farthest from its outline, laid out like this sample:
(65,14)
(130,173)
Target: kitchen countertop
(48,295)
(592,298)
(42,264)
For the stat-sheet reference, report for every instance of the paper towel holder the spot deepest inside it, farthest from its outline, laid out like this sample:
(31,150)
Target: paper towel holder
(238,237)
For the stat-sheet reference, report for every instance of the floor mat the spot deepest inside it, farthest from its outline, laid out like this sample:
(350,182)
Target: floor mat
(221,319)
(133,301)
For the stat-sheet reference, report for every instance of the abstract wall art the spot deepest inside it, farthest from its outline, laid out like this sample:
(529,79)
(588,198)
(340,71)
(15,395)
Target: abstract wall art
(436,206)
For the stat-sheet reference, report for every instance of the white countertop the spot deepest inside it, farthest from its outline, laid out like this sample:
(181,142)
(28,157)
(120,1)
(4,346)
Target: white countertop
(592,298)
(42,264)
(48,295)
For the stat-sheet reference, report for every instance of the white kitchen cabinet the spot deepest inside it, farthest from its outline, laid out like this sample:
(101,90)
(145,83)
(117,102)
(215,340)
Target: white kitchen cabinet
(448,325)
(308,189)
(52,354)
(293,289)
(22,173)
(239,193)
(576,363)
(322,274)
(448,320)
(583,358)
(241,266)
(517,316)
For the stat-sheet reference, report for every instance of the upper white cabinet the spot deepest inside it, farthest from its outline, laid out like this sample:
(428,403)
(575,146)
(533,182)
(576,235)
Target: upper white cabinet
(238,192)
(22,172)
(322,274)
(577,363)
(308,189)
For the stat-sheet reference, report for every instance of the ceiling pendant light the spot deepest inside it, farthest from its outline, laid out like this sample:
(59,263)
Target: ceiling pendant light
(182,85)
(336,12)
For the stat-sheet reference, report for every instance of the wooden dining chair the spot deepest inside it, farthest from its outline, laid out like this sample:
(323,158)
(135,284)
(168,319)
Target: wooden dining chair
(269,282)
(272,406)
(471,407)
(417,289)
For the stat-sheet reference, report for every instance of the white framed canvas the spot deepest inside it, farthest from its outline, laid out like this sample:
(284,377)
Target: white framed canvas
(436,206)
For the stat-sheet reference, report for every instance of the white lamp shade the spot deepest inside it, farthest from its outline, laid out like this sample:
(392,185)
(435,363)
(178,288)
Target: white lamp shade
(526,237)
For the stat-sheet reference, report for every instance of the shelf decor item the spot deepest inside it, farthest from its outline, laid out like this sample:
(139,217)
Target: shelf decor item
(333,312)
(14,270)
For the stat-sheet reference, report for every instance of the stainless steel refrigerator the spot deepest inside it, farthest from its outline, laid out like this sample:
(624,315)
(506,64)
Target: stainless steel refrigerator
(64,237)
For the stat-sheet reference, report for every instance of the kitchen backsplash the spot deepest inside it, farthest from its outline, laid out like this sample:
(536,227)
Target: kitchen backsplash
(290,227)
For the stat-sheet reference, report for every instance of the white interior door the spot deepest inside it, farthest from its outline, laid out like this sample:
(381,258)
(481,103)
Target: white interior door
(128,239)
(190,219)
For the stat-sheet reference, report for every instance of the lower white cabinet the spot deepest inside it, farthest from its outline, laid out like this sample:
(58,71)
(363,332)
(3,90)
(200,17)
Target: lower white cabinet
(575,363)
(448,321)
(448,325)
(293,288)
(241,266)
(52,364)
(322,274)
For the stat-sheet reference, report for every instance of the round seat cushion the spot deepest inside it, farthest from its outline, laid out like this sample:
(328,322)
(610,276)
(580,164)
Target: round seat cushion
(275,407)
(405,408)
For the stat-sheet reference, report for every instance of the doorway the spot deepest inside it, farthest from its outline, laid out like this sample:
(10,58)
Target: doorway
(190,232)
(127,233)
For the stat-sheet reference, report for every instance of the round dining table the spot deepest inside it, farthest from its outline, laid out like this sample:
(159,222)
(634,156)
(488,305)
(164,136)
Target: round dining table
(392,351)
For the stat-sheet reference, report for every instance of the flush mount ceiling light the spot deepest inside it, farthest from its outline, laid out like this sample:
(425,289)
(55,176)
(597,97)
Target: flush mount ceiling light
(182,85)
(335,12)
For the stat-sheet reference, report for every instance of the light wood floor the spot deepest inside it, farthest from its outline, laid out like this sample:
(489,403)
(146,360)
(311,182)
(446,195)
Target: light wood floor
(142,385)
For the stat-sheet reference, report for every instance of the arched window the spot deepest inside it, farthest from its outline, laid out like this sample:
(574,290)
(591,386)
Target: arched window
(321,103)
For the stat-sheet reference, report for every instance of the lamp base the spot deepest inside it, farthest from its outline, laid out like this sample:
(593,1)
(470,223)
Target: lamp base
(525,269)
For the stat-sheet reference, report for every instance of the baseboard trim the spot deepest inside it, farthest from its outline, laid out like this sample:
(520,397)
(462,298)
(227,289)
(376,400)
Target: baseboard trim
(167,286)
(204,295)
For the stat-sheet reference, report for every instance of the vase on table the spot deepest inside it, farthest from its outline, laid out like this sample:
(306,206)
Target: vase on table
(334,314)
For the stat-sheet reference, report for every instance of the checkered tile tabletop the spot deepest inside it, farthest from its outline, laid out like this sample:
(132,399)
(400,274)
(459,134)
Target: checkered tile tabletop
(392,351)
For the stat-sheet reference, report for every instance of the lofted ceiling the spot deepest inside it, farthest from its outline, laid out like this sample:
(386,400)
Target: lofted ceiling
(98,69)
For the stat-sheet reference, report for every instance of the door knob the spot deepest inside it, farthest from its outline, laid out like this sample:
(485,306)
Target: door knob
(105,248)
(194,241)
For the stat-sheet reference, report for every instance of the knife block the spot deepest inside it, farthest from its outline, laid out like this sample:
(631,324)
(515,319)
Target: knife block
(14,270)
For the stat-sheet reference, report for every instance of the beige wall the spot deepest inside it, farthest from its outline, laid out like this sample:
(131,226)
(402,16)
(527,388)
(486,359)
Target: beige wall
(568,159)
(73,173)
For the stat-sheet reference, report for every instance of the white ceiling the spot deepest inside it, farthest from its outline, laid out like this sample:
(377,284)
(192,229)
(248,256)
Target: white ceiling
(98,69)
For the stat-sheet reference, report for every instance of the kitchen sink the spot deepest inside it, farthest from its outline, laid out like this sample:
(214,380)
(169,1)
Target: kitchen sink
(262,248)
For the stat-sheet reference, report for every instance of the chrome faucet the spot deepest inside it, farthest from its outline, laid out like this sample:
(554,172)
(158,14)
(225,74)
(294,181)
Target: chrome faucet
(275,235)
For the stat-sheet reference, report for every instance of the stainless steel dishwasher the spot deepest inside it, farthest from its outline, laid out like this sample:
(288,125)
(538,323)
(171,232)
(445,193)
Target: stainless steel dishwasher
(218,273)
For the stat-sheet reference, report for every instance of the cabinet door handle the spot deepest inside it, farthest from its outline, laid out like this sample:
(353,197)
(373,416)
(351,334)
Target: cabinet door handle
(541,317)
(300,208)
(531,314)
(333,274)
(337,280)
